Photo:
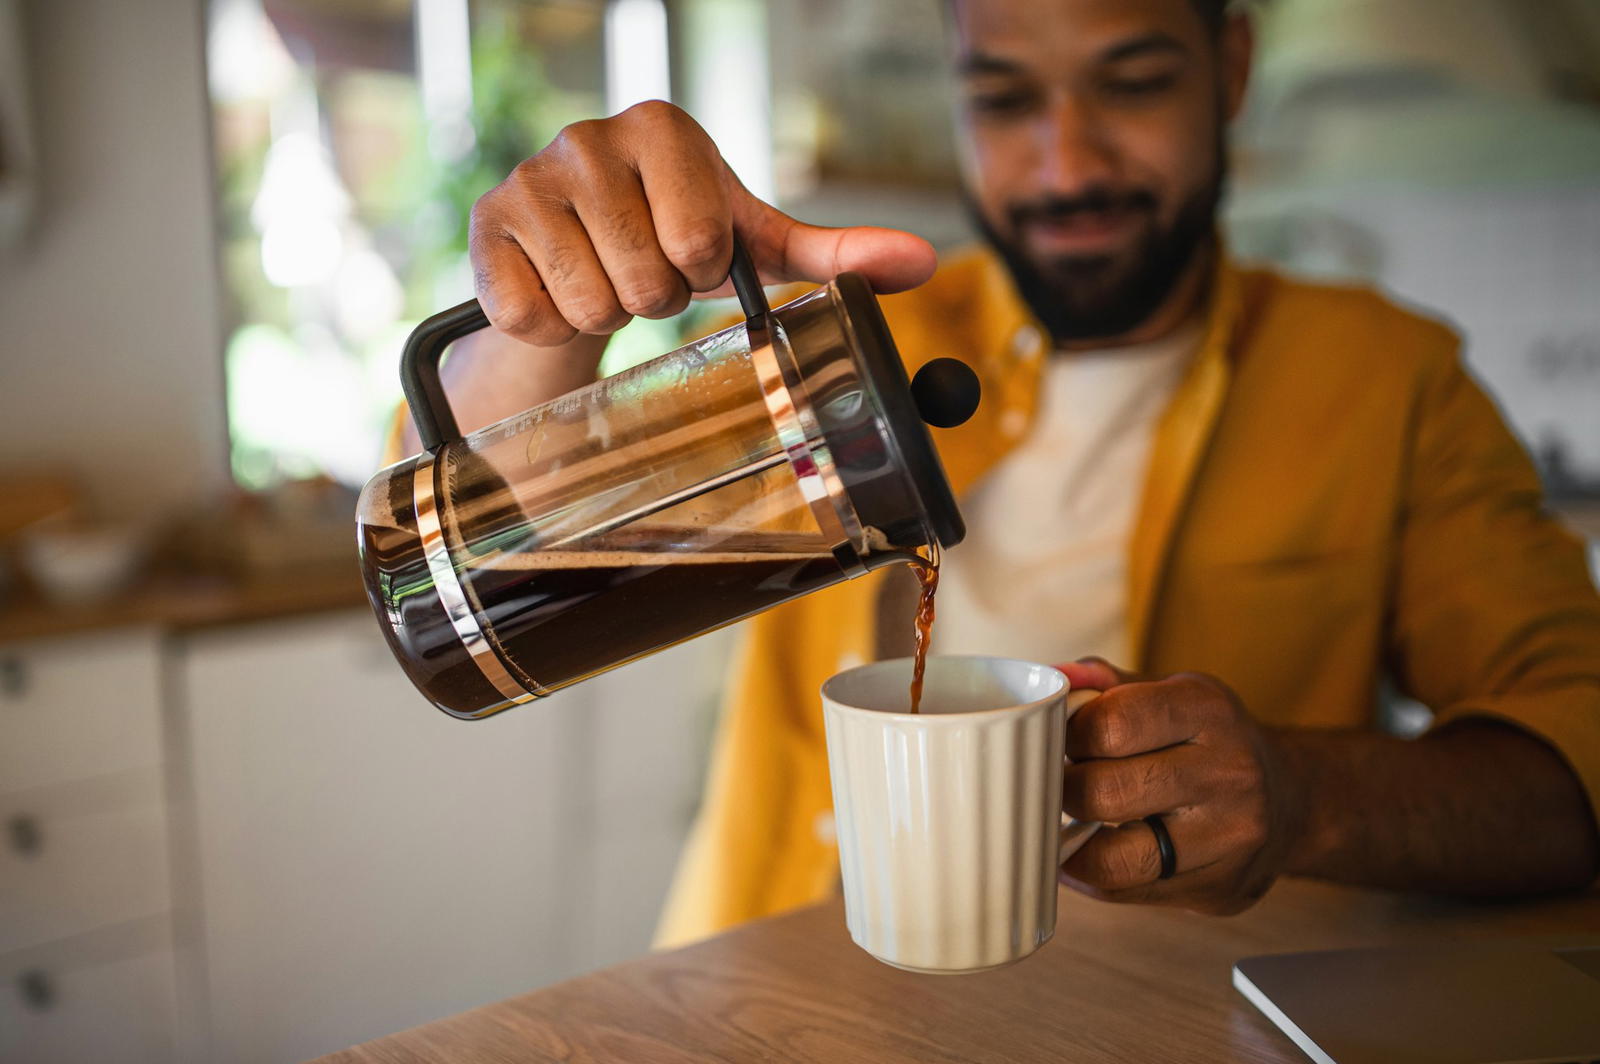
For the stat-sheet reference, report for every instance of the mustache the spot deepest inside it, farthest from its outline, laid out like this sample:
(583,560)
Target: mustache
(1101,199)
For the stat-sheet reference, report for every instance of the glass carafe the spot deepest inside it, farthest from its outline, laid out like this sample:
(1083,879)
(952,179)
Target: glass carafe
(773,458)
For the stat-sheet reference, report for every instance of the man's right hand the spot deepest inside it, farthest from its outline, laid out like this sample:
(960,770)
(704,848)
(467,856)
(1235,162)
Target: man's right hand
(630,215)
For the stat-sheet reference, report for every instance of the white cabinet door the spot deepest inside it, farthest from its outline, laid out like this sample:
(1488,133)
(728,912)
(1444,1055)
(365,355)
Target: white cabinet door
(79,707)
(82,856)
(107,996)
(649,729)
(365,862)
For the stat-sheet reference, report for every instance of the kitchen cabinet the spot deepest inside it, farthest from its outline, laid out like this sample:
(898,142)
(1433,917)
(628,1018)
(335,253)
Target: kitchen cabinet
(366,863)
(106,996)
(82,856)
(257,842)
(87,961)
(79,707)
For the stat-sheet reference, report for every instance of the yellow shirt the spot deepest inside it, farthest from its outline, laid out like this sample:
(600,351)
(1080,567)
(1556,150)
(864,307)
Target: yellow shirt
(1329,497)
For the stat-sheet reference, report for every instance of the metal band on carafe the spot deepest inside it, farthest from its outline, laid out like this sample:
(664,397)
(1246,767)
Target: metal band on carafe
(480,646)
(802,441)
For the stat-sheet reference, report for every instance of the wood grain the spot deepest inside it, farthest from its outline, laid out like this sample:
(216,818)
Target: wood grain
(1117,984)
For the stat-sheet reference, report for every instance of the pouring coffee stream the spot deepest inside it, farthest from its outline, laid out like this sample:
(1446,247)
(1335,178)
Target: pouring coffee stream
(927,570)
(768,460)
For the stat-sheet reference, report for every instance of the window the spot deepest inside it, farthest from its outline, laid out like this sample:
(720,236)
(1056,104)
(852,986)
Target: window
(351,139)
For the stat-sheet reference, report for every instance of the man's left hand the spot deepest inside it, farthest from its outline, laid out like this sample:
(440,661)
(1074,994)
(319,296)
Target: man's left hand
(1184,748)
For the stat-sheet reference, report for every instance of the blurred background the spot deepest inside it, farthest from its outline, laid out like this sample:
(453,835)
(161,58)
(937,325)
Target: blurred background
(229,828)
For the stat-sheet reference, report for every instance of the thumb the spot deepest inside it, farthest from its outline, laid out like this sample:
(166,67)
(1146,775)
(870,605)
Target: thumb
(1094,674)
(785,249)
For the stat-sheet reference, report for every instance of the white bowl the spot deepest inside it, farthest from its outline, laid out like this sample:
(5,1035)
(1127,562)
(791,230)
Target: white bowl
(80,566)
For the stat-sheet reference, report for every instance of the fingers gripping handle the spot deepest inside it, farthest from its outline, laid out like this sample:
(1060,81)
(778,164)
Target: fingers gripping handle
(1074,833)
(425,347)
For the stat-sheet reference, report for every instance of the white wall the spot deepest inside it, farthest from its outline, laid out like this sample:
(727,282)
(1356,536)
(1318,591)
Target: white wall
(110,358)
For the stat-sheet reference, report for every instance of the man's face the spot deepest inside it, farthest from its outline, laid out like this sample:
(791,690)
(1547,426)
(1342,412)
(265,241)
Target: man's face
(1093,149)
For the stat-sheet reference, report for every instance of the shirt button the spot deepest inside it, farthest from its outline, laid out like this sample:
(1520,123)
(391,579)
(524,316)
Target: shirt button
(825,829)
(1013,423)
(1025,343)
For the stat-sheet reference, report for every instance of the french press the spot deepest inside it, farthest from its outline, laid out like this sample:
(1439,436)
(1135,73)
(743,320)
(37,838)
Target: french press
(778,456)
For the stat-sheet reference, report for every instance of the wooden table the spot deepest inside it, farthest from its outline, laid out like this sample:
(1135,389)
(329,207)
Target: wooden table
(1117,984)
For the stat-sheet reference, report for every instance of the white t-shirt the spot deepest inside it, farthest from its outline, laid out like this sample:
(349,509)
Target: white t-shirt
(1042,573)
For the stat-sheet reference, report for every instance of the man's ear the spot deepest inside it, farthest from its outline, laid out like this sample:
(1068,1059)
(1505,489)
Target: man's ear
(1236,51)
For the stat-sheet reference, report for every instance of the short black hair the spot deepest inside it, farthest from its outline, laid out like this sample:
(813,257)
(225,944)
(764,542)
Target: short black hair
(1213,12)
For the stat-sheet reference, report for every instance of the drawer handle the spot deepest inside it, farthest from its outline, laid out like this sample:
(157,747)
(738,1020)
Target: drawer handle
(13,678)
(25,834)
(38,990)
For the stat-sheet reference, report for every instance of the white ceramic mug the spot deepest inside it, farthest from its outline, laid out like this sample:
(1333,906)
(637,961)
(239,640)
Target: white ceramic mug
(949,820)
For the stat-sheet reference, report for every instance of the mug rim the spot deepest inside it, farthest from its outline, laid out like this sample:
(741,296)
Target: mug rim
(966,715)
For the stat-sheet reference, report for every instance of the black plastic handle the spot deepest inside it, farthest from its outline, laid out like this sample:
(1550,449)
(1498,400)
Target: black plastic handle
(419,362)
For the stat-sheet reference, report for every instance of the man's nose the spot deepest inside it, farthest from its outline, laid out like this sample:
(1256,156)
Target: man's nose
(1075,149)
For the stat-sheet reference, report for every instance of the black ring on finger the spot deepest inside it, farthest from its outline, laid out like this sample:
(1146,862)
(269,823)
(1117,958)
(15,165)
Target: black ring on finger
(1169,856)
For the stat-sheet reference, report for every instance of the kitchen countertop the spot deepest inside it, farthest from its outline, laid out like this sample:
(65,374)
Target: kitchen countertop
(1118,983)
(184,602)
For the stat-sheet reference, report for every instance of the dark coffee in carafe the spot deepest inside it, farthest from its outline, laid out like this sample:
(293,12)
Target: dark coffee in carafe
(760,463)
(552,614)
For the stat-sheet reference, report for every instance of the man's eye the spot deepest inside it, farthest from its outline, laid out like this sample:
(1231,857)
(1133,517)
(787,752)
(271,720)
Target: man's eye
(1136,87)
(999,103)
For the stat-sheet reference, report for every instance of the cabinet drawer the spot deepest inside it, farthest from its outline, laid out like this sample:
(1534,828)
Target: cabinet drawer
(87,1002)
(81,856)
(79,707)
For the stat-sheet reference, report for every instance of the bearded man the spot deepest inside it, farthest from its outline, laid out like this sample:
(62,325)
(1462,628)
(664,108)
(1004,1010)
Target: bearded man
(1241,501)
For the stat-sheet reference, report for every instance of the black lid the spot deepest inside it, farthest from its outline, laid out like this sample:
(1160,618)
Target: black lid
(890,391)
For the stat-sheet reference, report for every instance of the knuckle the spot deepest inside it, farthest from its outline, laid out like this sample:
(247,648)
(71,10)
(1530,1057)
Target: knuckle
(516,315)
(1155,773)
(1108,730)
(653,111)
(578,136)
(553,333)
(1204,685)
(1253,829)
(1187,685)
(485,213)
(1101,727)
(1243,776)
(530,174)
(697,245)
(1112,867)
(654,295)
(1104,793)
(574,157)
(595,316)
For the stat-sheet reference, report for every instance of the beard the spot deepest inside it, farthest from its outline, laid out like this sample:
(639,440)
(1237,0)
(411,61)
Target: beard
(1098,297)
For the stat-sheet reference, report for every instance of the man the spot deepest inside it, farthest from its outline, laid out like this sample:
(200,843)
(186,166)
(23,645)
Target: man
(1262,496)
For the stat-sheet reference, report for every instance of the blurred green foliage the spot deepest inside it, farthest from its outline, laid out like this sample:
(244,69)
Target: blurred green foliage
(515,112)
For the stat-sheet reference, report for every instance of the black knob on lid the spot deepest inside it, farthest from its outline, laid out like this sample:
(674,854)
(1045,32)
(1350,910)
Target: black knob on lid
(946,392)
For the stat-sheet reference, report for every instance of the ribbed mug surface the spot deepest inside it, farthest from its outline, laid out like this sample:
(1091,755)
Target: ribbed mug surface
(948,820)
